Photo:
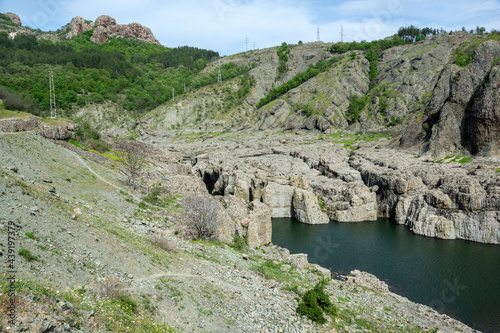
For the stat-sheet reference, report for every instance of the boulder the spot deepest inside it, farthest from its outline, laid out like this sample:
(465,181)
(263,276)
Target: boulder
(19,125)
(260,228)
(105,21)
(305,208)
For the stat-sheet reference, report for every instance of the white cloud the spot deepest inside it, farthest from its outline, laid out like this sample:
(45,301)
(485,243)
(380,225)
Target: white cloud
(223,25)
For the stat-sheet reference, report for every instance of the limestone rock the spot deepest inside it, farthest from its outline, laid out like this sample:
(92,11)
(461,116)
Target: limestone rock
(298,260)
(279,198)
(19,125)
(15,18)
(305,208)
(435,226)
(55,132)
(260,229)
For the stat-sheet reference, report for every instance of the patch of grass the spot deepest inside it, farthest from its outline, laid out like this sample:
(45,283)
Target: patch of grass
(464,160)
(26,254)
(30,235)
(321,202)
(497,170)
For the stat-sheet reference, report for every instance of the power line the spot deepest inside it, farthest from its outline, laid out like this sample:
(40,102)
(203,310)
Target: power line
(52,95)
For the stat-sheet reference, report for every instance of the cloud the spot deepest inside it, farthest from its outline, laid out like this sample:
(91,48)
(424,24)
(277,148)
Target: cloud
(223,25)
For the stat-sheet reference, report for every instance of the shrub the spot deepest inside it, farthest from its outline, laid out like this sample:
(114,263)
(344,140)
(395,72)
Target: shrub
(203,216)
(108,286)
(26,254)
(163,242)
(316,302)
(238,242)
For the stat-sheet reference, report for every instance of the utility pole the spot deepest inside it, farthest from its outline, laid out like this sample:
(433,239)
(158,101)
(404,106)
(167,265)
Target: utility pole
(219,75)
(173,94)
(341,34)
(52,95)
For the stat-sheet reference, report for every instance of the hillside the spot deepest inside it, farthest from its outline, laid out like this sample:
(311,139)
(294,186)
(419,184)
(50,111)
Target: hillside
(408,93)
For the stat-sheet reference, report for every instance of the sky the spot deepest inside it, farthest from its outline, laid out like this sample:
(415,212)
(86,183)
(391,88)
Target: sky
(232,26)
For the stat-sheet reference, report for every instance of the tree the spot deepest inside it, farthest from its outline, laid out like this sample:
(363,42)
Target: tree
(130,154)
(203,216)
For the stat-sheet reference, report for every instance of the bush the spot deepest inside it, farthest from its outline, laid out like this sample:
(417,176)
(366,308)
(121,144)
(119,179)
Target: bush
(163,242)
(26,254)
(108,286)
(315,303)
(203,216)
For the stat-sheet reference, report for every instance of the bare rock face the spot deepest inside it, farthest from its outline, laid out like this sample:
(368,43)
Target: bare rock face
(107,27)
(260,228)
(55,132)
(15,18)
(306,208)
(279,198)
(19,125)
(100,36)
(105,21)
(78,26)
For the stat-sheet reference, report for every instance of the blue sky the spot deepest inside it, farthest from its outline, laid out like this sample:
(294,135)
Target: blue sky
(224,25)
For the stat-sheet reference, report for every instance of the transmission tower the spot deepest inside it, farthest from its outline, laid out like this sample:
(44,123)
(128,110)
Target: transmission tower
(52,97)
(219,75)
(318,39)
(341,34)
(246,42)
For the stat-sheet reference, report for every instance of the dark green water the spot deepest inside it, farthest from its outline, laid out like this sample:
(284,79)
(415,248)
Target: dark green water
(459,278)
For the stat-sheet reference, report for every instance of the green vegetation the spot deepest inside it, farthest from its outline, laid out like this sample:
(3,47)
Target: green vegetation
(372,51)
(415,34)
(283,52)
(30,235)
(239,243)
(88,137)
(315,303)
(356,106)
(497,170)
(136,76)
(464,53)
(297,80)
(26,254)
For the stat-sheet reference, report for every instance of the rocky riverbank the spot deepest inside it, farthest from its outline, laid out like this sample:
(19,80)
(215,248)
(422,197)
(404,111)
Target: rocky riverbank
(320,178)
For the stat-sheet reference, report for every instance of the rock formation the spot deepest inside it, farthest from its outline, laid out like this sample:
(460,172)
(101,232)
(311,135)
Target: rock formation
(77,26)
(106,26)
(15,18)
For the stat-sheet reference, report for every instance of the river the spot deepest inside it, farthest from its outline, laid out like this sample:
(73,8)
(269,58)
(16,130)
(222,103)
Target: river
(459,278)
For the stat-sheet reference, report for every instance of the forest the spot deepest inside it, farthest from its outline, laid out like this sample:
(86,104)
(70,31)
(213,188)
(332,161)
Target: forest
(136,76)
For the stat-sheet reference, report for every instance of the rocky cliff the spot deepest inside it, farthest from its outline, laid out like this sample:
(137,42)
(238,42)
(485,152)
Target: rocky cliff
(106,26)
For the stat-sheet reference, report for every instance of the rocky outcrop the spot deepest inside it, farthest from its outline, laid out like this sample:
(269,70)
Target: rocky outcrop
(78,26)
(443,200)
(306,208)
(14,18)
(57,132)
(19,125)
(106,26)
(462,115)
(260,227)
